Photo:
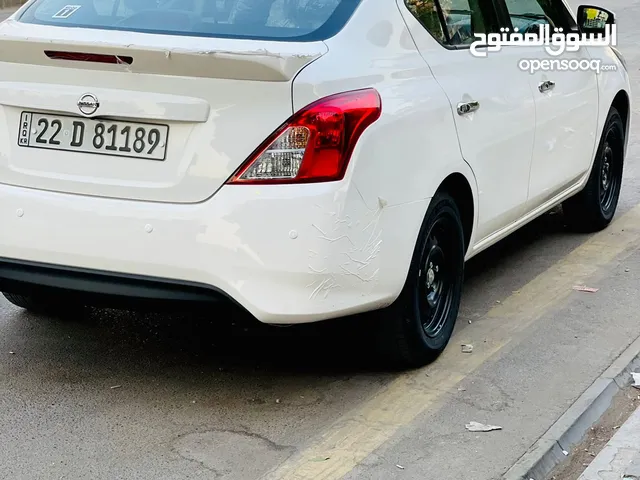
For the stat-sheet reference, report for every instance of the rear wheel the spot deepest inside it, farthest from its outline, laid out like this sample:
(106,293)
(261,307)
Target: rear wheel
(418,326)
(45,304)
(594,207)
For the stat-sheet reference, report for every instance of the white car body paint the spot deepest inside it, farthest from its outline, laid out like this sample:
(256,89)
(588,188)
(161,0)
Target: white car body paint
(286,253)
(496,140)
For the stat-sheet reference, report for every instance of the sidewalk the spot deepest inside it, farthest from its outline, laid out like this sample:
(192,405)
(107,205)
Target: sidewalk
(620,458)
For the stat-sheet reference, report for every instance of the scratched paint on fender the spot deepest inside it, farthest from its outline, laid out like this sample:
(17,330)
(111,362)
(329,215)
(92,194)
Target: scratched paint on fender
(355,231)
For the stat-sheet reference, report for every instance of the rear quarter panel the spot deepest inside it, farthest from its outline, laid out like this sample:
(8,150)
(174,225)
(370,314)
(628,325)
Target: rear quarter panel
(402,159)
(413,147)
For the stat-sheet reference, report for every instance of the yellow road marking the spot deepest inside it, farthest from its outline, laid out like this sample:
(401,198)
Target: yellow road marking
(359,433)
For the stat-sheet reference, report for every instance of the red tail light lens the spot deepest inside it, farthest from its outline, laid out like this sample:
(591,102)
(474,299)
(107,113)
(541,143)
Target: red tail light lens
(315,144)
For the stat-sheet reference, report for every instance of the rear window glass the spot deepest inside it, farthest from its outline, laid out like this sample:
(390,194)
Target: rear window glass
(300,20)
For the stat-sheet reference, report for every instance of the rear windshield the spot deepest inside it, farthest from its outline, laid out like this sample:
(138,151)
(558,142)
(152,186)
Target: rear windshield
(299,20)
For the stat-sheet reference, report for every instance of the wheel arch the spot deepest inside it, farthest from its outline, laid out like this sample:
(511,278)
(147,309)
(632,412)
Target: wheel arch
(457,185)
(622,103)
(460,184)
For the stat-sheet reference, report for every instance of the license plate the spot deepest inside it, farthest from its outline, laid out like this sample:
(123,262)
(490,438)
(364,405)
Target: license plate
(104,137)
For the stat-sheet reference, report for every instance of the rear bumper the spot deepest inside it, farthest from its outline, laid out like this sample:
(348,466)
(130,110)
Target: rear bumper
(287,254)
(101,288)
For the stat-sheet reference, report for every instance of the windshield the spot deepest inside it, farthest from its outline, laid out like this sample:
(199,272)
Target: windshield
(300,20)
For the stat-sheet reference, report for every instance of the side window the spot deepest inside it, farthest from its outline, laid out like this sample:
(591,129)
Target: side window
(528,15)
(453,22)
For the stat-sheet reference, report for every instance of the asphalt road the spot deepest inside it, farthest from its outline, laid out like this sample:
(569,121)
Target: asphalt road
(124,396)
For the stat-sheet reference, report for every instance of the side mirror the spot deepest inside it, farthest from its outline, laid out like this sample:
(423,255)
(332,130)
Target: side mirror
(593,20)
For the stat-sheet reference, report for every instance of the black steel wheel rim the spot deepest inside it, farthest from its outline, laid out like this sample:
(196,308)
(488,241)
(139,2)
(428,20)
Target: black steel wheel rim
(438,276)
(610,177)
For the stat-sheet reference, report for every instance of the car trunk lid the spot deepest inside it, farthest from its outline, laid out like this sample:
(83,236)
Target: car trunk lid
(71,111)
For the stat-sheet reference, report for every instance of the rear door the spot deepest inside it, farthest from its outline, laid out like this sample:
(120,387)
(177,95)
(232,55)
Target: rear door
(491,101)
(147,100)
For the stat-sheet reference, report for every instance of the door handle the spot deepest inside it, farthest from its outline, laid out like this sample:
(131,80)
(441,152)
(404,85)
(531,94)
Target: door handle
(468,107)
(546,86)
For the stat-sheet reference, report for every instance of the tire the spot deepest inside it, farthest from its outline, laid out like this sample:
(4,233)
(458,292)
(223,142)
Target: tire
(416,329)
(44,305)
(593,208)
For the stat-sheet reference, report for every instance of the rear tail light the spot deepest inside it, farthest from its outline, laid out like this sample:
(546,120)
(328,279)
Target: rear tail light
(315,144)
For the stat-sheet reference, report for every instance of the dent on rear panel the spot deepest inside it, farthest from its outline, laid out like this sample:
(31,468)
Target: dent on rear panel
(349,239)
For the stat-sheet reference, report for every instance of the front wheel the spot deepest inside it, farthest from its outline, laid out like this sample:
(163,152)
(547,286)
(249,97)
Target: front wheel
(593,208)
(418,326)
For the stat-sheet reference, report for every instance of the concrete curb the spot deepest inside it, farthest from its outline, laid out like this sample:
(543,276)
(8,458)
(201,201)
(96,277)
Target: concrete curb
(571,427)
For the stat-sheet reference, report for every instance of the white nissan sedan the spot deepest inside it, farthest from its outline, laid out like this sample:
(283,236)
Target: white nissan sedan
(305,159)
